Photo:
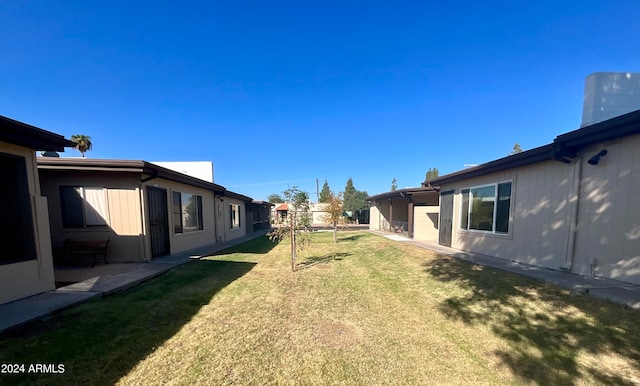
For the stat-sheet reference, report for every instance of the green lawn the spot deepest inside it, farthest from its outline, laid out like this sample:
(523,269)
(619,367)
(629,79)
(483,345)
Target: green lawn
(364,311)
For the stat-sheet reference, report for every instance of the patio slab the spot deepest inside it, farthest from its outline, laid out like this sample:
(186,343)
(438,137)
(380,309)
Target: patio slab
(100,281)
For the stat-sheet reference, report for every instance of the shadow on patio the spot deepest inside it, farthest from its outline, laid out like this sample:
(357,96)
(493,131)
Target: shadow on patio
(101,341)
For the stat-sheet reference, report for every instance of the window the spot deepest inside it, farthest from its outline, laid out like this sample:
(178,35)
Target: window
(187,212)
(486,208)
(83,206)
(16,227)
(235,215)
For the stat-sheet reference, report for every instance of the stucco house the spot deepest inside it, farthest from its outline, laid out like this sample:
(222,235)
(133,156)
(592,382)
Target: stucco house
(144,209)
(26,266)
(412,212)
(571,204)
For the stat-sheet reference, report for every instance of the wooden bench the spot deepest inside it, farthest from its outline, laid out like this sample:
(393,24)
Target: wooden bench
(93,248)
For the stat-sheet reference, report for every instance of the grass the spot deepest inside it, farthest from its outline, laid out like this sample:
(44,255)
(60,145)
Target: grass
(364,311)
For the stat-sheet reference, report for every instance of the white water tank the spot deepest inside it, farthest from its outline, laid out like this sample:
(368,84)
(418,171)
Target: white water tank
(608,95)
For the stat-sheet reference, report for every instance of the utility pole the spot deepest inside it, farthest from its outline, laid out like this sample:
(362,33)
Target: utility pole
(317,192)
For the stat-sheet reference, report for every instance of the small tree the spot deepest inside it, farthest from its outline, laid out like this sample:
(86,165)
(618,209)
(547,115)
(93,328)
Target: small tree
(334,214)
(394,184)
(516,149)
(325,193)
(275,198)
(431,174)
(296,229)
(83,143)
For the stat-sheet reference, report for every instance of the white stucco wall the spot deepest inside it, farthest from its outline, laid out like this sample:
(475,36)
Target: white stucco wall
(198,169)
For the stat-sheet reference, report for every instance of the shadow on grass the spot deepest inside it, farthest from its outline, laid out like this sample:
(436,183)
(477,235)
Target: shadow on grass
(259,245)
(101,341)
(351,238)
(315,260)
(544,346)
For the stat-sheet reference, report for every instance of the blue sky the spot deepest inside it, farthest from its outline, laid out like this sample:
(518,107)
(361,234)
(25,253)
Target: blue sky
(283,93)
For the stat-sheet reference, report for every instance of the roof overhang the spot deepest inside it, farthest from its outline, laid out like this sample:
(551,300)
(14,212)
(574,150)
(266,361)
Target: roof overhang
(125,166)
(22,134)
(564,148)
(539,154)
(406,193)
(238,196)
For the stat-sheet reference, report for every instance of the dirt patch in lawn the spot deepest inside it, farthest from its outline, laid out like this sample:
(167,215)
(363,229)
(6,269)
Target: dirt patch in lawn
(338,335)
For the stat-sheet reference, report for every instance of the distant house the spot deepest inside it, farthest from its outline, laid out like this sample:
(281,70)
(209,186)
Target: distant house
(571,204)
(279,212)
(26,266)
(412,212)
(144,209)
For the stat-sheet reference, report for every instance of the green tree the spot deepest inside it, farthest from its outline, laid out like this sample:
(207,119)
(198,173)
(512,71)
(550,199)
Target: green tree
(431,174)
(394,184)
(325,193)
(83,143)
(516,149)
(353,199)
(297,227)
(334,214)
(275,198)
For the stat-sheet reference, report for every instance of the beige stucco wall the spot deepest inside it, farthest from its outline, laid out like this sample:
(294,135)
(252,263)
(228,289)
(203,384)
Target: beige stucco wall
(540,216)
(124,222)
(608,232)
(547,206)
(374,217)
(225,232)
(35,276)
(425,223)
(318,213)
(383,215)
(180,242)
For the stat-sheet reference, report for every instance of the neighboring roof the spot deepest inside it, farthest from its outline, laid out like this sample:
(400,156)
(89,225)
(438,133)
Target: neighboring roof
(131,166)
(401,193)
(22,134)
(283,207)
(563,148)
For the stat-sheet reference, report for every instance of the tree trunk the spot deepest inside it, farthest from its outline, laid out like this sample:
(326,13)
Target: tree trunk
(335,233)
(293,243)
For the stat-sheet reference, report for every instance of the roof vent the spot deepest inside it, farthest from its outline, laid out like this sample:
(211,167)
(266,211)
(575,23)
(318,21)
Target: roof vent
(50,153)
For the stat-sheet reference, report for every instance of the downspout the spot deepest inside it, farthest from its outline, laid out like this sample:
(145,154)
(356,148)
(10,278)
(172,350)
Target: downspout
(390,215)
(215,217)
(573,214)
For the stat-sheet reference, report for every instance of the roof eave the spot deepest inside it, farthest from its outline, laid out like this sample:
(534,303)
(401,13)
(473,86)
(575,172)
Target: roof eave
(22,134)
(539,154)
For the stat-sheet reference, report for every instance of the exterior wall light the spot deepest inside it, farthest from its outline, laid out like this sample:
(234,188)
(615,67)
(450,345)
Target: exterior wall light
(596,158)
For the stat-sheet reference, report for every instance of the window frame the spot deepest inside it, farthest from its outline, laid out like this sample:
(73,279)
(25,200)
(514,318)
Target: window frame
(17,201)
(469,203)
(178,217)
(86,222)
(231,219)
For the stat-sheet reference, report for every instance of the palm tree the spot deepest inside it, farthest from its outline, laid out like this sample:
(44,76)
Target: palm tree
(83,143)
